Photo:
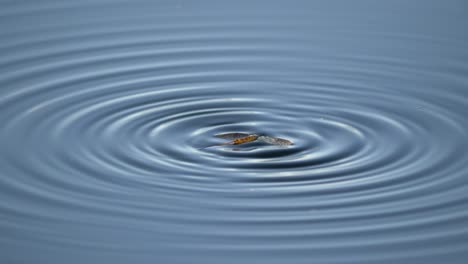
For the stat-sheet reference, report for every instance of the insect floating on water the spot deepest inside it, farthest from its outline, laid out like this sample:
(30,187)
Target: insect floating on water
(242,138)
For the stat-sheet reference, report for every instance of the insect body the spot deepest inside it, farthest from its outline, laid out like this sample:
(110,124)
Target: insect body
(241,138)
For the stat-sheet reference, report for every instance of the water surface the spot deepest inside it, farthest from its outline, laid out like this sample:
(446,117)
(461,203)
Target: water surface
(106,107)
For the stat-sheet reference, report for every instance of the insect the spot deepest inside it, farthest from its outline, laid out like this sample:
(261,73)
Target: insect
(241,138)
(238,138)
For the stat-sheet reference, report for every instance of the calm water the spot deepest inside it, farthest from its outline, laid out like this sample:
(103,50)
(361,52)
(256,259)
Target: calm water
(105,107)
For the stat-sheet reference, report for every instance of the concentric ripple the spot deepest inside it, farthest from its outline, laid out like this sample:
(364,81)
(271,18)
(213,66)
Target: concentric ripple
(108,151)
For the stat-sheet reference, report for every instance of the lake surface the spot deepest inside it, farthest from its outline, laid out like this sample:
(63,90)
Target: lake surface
(107,107)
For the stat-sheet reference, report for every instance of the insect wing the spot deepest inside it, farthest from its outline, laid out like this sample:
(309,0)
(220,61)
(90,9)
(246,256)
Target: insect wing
(231,135)
(275,141)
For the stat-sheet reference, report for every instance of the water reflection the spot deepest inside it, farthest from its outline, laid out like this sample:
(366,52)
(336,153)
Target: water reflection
(107,109)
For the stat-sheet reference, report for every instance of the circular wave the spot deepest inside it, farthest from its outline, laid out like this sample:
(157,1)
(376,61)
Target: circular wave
(115,135)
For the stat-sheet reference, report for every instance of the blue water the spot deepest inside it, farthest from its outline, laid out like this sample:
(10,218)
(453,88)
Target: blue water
(107,107)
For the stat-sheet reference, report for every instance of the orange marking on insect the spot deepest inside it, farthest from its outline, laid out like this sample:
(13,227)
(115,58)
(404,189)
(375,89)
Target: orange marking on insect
(242,140)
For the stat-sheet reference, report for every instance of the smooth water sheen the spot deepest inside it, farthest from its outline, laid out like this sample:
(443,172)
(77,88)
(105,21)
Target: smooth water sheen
(107,107)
